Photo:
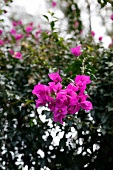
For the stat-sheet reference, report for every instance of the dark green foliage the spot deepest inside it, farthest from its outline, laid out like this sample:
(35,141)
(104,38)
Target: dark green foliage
(22,131)
(103,110)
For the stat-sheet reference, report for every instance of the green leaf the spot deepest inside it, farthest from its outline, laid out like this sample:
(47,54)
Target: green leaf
(52,25)
(45,16)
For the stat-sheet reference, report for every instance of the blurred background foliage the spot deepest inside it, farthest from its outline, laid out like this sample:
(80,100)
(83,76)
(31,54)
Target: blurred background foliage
(29,136)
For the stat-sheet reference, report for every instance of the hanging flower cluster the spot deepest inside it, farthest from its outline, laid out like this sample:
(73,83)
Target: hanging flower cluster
(63,101)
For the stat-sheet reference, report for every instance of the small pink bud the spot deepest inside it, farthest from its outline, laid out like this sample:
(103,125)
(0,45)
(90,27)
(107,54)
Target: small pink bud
(13,31)
(14,23)
(100,38)
(92,33)
(31,23)
(19,22)
(28,29)
(54,4)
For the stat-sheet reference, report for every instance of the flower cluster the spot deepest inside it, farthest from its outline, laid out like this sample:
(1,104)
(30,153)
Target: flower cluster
(18,34)
(63,101)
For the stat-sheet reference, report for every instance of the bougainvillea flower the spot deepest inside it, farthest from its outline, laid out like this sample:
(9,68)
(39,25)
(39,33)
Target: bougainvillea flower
(60,113)
(76,51)
(13,31)
(82,79)
(31,24)
(63,101)
(86,105)
(81,86)
(28,29)
(71,97)
(17,55)
(82,97)
(100,38)
(38,31)
(1,32)
(55,88)
(59,118)
(19,22)
(1,42)
(40,102)
(74,109)
(72,86)
(41,90)
(55,77)
(14,23)
(18,36)
(54,4)
(92,33)
(111,17)
(51,104)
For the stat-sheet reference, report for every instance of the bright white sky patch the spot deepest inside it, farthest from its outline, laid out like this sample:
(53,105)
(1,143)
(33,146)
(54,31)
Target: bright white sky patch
(31,6)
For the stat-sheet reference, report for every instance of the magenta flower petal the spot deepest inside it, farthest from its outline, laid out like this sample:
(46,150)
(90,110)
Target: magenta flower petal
(40,90)
(86,105)
(55,77)
(59,114)
(76,51)
(40,102)
(82,79)
(13,31)
(61,99)
(55,88)
(14,23)
(28,29)
(17,55)
(74,109)
(18,36)
(92,33)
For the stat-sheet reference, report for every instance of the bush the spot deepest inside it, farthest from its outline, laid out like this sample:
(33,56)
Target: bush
(28,135)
